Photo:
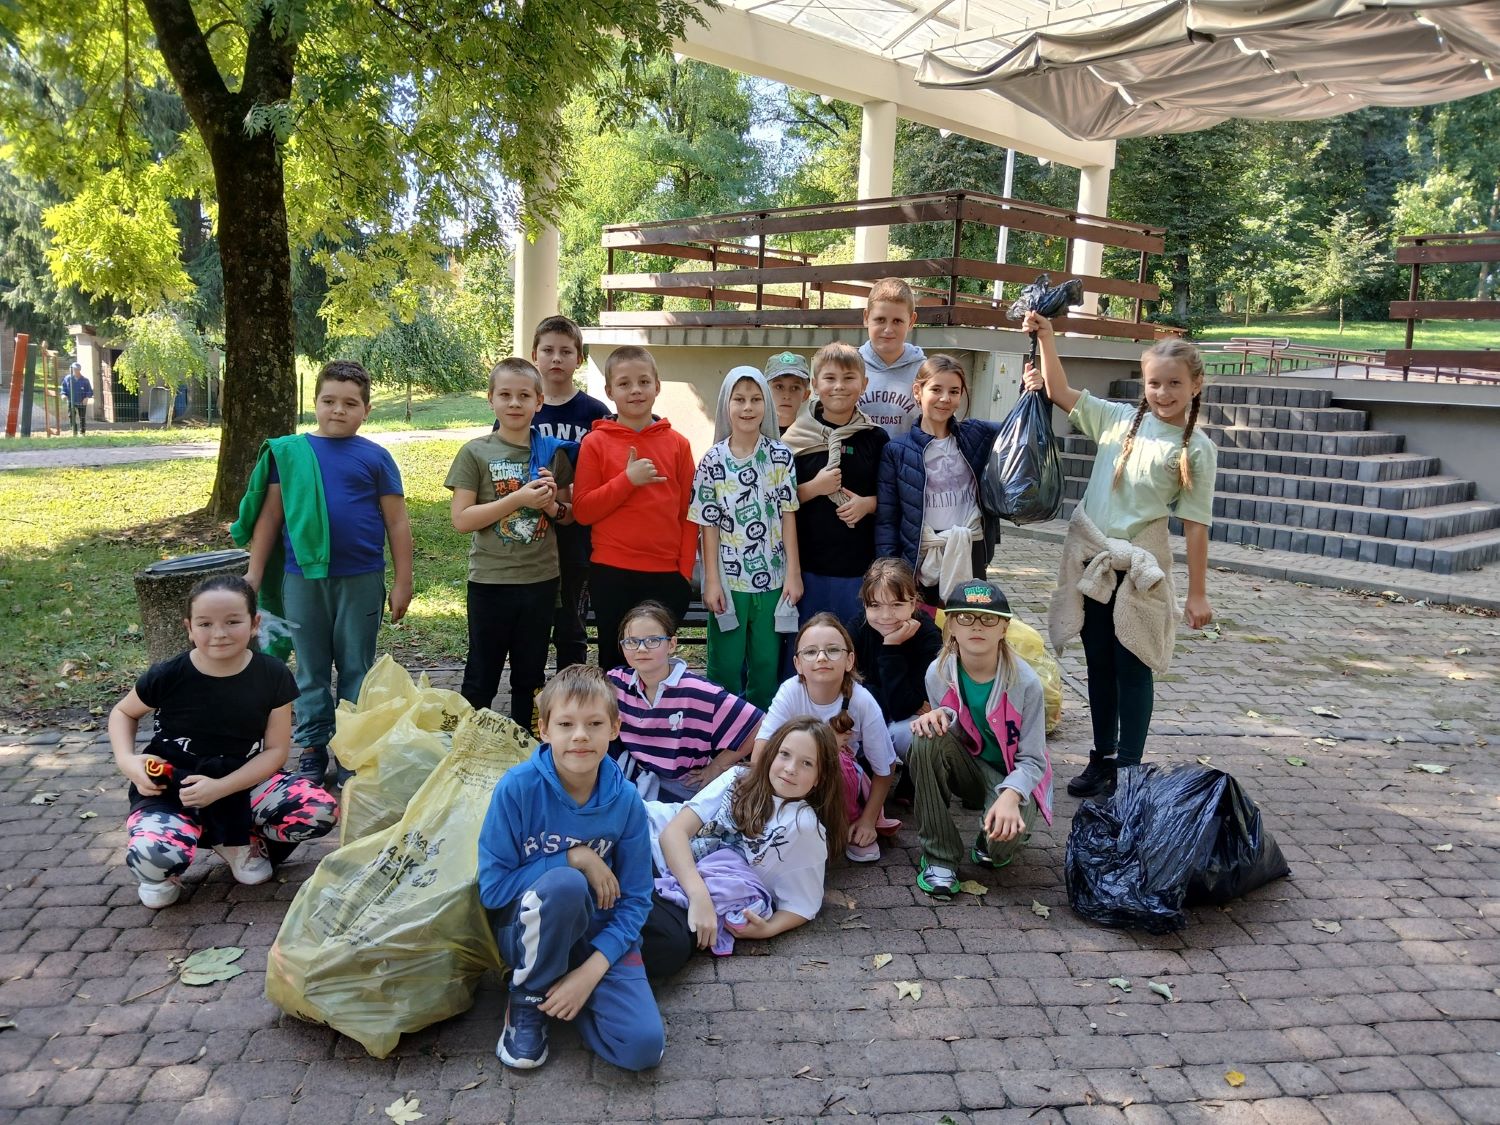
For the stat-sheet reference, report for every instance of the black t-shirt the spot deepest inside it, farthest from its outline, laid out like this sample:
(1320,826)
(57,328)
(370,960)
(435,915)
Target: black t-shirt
(215,716)
(825,544)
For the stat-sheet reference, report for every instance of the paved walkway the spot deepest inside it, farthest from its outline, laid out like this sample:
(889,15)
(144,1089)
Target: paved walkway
(1393,1018)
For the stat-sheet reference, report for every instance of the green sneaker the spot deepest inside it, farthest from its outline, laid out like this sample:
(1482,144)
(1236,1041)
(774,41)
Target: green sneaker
(980,854)
(937,880)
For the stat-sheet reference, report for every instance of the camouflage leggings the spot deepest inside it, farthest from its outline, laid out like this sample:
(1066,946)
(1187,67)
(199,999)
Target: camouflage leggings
(285,808)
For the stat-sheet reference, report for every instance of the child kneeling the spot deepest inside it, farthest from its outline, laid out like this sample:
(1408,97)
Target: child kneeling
(984,741)
(565,873)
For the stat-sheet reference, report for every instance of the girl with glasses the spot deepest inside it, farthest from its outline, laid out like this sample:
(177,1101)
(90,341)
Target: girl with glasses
(827,688)
(678,730)
(984,741)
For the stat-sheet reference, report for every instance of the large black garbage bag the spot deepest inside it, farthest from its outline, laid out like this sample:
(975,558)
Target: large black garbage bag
(1167,839)
(1024,481)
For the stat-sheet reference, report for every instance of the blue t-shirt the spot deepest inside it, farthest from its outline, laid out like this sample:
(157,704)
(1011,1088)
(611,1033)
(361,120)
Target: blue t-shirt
(356,474)
(570,422)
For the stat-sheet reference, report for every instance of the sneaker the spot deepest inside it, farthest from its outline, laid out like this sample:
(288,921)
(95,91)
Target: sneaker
(862,853)
(313,765)
(247,866)
(157,895)
(887,826)
(937,880)
(523,1043)
(1097,778)
(980,853)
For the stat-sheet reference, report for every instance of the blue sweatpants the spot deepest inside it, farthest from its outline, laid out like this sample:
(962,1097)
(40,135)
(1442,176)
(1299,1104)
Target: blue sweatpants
(545,934)
(337,620)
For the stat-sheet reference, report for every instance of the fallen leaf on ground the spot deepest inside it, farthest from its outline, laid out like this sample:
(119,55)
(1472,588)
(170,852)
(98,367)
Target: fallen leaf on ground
(1463,650)
(1039,910)
(1235,1079)
(1119,982)
(1294,761)
(1326,741)
(1459,676)
(45,798)
(1442,847)
(1204,759)
(403,1111)
(1327,927)
(905,988)
(1325,712)
(1160,989)
(87,814)
(973,887)
(7,1024)
(1427,767)
(210,965)
(1252,714)
(882,960)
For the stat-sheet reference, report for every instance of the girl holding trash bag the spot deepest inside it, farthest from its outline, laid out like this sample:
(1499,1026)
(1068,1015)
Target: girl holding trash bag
(929,510)
(1115,582)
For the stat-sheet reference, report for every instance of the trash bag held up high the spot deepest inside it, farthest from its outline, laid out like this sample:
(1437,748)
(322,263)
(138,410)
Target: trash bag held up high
(1023,481)
(1166,840)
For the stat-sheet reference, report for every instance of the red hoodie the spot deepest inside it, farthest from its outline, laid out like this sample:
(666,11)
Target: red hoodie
(637,527)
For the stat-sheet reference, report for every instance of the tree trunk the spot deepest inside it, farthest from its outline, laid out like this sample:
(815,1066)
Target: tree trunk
(1341,316)
(1181,286)
(259,384)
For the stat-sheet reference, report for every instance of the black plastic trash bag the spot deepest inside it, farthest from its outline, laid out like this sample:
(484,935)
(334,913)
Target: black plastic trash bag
(1167,839)
(1023,482)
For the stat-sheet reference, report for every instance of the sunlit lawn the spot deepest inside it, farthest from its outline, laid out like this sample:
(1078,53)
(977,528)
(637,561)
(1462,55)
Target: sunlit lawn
(71,541)
(1363,335)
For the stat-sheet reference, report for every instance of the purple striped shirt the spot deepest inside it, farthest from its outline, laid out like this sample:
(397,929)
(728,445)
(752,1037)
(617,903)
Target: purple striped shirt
(692,720)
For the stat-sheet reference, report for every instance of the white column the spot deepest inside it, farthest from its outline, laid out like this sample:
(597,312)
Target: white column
(877,160)
(1093,199)
(536,284)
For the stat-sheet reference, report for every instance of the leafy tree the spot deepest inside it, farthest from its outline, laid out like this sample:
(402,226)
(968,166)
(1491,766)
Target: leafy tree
(162,349)
(1443,202)
(1342,257)
(400,118)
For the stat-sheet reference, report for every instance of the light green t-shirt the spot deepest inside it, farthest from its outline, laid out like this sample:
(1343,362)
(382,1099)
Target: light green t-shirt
(1151,487)
(521,547)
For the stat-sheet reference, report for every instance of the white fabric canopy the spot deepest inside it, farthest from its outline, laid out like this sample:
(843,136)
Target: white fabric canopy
(1173,67)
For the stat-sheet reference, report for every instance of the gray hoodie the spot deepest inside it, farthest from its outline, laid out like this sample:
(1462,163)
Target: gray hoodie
(721,415)
(887,399)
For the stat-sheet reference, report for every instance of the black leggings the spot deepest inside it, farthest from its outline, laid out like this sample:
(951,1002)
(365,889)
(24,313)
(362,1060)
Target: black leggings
(508,621)
(1120,689)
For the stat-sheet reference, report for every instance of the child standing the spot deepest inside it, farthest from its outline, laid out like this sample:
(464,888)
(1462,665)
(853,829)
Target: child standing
(678,730)
(633,486)
(929,511)
(1151,464)
(317,512)
(566,414)
(509,488)
(894,644)
(790,385)
(782,818)
(890,361)
(826,688)
(984,741)
(744,497)
(213,772)
(836,451)
(565,873)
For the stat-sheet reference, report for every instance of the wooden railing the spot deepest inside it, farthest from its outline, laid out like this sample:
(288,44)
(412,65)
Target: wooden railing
(1416,251)
(784,287)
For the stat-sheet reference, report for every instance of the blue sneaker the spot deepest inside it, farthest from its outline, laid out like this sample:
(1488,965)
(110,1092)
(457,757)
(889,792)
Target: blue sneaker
(523,1043)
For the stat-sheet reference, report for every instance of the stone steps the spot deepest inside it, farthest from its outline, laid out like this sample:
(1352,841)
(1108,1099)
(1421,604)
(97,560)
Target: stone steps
(1235,391)
(1369,467)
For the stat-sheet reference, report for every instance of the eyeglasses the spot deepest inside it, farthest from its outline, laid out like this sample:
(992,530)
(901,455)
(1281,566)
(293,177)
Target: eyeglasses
(985,620)
(635,644)
(827,652)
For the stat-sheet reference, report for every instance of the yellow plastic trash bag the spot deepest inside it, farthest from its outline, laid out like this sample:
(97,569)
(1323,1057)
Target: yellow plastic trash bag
(388,935)
(393,739)
(1027,643)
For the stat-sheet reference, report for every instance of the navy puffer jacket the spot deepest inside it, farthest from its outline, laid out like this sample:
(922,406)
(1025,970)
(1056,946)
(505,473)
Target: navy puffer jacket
(903,483)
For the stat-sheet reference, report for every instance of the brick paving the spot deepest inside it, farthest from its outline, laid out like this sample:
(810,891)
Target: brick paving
(1394,1018)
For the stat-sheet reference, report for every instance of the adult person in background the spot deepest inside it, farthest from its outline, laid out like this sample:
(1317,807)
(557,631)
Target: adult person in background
(78,392)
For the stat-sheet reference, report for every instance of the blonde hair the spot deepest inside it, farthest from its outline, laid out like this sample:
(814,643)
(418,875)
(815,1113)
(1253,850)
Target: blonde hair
(628,353)
(1171,349)
(578,683)
(1007,667)
(839,354)
(515,365)
(895,290)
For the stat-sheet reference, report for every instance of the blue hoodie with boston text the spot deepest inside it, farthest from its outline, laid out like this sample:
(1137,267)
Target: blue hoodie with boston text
(888,399)
(531,824)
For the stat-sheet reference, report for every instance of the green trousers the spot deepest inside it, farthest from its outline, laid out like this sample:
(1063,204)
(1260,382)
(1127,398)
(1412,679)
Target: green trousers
(942,769)
(337,621)
(747,660)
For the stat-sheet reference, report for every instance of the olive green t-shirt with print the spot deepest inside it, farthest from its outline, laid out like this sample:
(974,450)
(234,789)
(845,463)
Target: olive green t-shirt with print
(522,547)
(1151,487)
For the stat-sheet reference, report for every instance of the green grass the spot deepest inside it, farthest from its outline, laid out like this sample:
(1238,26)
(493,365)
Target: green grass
(1360,335)
(71,541)
(104,439)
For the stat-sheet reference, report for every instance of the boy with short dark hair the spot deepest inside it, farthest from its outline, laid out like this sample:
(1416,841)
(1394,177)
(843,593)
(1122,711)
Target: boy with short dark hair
(565,873)
(510,489)
(317,513)
(633,486)
(890,362)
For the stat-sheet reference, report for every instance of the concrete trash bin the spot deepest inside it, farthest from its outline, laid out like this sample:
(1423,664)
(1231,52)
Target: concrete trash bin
(161,590)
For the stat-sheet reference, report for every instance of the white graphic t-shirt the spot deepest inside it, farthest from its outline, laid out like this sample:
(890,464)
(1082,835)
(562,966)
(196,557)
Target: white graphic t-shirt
(745,500)
(950,498)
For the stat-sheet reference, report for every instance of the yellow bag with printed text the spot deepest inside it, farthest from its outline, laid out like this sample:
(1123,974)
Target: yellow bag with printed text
(388,936)
(1027,643)
(393,738)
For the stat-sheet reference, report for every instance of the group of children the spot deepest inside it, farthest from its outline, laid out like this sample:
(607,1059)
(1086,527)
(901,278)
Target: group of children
(838,509)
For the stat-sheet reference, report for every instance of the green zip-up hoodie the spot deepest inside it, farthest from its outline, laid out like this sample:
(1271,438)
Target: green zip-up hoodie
(305,508)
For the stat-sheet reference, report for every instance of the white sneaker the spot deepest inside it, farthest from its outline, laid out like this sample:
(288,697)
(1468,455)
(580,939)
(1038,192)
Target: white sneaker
(246,867)
(157,895)
(862,853)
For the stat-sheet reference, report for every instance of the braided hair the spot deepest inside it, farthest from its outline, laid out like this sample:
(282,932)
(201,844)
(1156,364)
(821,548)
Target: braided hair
(1172,349)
